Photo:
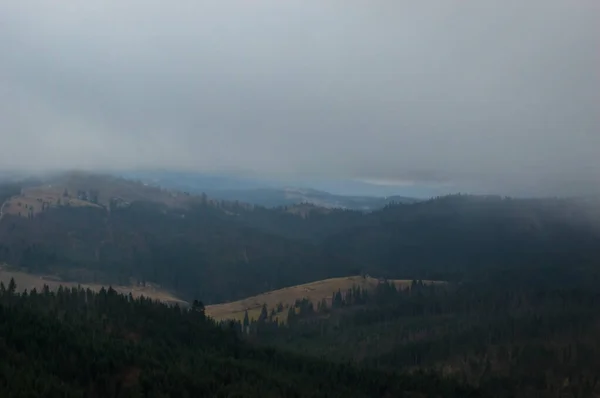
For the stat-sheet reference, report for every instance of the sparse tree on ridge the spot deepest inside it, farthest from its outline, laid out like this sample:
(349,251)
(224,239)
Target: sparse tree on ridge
(264,314)
(246,319)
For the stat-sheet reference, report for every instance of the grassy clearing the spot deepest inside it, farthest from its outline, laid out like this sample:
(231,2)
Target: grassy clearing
(314,291)
(113,187)
(65,192)
(30,281)
(33,200)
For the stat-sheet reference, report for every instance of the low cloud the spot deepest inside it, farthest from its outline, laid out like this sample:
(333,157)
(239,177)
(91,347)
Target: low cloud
(491,95)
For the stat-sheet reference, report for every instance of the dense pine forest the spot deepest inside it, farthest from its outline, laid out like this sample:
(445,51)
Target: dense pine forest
(513,312)
(508,340)
(222,251)
(76,343)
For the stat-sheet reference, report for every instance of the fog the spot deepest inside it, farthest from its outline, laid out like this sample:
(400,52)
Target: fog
(493,95)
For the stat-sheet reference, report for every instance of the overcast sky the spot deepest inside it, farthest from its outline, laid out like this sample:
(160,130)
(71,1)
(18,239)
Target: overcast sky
(499,94)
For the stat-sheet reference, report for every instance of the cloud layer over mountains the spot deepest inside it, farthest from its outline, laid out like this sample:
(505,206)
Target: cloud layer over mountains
(482,93)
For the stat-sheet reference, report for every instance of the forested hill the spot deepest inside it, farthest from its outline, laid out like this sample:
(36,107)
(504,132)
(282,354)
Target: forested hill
(76,343)
(194,253)
(219,251)
(461,236)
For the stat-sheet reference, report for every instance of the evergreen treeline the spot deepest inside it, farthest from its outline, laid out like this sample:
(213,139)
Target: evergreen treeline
(77,343)
(223,251)
(509,340)
(517,318)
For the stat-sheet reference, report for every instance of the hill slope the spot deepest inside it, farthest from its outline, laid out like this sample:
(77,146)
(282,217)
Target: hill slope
(222,251)
(273,193)
(77,343)
(29,281)
(272,197)
(200,253)
(466,236)
(314,291)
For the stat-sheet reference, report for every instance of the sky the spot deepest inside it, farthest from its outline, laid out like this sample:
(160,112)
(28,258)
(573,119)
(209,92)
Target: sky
(498,96)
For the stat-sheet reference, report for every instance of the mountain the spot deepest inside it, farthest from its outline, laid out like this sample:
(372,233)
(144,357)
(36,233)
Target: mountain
(197,182)
(512,312)
(315,291)
(272,192)
(198,247)
(461,235)
(508,338)
(112,345)
(272,197)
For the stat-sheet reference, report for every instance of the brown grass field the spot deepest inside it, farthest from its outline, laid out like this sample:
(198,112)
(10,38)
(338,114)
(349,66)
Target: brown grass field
(314,291)
(30,281)
(109,187)
(32,200)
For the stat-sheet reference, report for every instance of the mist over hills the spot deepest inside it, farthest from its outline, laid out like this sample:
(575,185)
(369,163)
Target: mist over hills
(273,192)
(520,273)
(273,197)
(103,228)
(270,198)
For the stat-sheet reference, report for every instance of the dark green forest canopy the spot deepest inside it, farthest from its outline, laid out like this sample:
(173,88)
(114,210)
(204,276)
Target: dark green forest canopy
(508,340)
(518,316)
(76,343)
(220,251)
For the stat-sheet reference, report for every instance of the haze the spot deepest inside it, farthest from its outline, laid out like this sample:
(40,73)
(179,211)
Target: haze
(494,95)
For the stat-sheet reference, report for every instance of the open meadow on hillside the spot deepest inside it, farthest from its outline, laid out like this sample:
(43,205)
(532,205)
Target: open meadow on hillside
(314,292)
(27,281)
(33,201)
(83,190)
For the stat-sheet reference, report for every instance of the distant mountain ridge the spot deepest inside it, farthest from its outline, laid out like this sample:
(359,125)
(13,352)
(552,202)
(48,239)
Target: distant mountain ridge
(220,250)
(262,192)
(272,197)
